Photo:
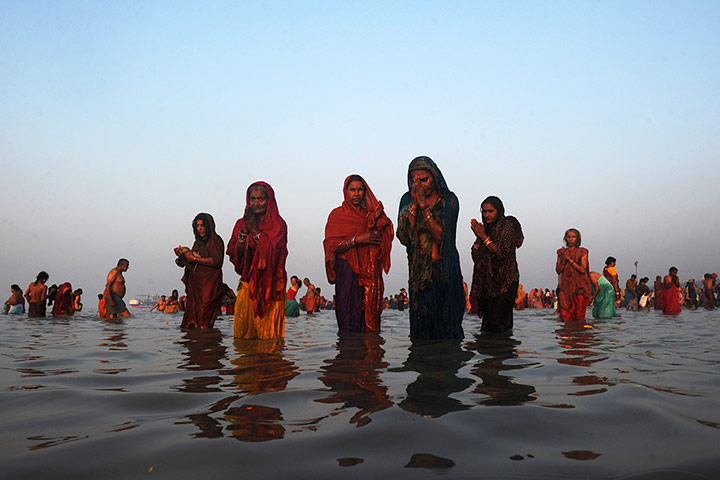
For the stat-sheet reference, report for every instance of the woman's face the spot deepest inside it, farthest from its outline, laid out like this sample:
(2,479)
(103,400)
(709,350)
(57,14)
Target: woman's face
(571,239)
(356,193)
(425,179)
(489,213)
(257,201)
(200,228)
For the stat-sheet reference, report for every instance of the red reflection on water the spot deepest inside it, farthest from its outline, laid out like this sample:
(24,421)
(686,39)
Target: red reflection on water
(579,345)
(255,423)
(52,442)
(581,455)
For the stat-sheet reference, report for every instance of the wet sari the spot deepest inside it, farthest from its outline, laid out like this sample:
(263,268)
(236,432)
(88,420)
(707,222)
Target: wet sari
(437,299)
(604,303)
(203,283)
(260,262)
(574,294)
(357,272)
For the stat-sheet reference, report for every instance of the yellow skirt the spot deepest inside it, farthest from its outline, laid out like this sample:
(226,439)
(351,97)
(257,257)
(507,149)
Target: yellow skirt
(247,325)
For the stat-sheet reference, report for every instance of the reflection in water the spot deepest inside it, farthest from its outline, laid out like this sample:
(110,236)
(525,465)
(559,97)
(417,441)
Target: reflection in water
(578,341)
(353,375)
(437,364)
(204,352)
(260,366)
(500,389)
(114,329)
(428,460)
(255,423)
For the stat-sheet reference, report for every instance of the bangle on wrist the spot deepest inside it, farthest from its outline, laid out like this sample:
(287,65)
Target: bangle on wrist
(412,210)
(487,241)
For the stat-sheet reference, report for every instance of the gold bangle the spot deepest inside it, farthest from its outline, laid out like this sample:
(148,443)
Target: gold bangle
(487,241)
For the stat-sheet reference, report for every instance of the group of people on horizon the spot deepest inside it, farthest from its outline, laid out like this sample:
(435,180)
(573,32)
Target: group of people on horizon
(357,245)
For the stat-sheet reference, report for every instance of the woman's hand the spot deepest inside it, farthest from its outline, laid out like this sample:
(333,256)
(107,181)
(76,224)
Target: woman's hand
(378,212)
(180,250)
(478,229)
(250,220)
(368,238)
(418,195)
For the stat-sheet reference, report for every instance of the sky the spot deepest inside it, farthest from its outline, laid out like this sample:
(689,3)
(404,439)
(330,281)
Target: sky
(120,121)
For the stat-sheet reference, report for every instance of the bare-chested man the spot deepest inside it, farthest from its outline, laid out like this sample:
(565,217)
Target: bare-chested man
(36,295)
(115,290)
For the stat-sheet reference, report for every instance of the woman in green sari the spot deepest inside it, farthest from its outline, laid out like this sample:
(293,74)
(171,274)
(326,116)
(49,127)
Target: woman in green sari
(603,296)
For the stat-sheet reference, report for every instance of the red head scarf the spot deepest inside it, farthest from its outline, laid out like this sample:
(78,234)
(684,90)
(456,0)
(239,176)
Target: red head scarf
(266,274)
(346,221)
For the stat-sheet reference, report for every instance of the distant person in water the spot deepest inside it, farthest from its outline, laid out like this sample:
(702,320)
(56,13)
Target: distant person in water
(15,305)
(311,297)
(708,289)
(402,299)
(36,295)
(102,309)
(657,292)
(357,244)
(63,305)
(496,276)
(643,293)
(572,266)
(115,290)
(202,274)
(427,226)
(258,250)
(520,298)
(77,300)
(631,298)
(670,297)
(160,304)
(610,273)
(52,291)
(173,302)
(292,307)
(603,296)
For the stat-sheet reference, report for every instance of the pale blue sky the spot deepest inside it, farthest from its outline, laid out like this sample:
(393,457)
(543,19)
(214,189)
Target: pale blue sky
(119,121)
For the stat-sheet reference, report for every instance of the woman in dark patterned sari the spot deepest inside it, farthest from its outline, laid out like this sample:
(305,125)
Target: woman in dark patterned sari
(496,275)
(427,224)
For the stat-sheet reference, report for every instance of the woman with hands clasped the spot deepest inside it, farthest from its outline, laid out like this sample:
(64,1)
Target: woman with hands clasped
(574,283)
(495,275)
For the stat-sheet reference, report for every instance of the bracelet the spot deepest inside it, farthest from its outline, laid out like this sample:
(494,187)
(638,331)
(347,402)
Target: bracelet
(242,236)
(427,214)
(257,237)
(487,241)
(412,210)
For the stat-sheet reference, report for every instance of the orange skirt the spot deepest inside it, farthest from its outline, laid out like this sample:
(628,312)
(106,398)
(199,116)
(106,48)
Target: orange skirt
(248,325)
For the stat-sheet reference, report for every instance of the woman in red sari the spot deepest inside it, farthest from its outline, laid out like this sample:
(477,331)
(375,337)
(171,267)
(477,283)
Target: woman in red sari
(63,301)
(574,289)
(358,239)
(670,298)
(203,274)
(258,250)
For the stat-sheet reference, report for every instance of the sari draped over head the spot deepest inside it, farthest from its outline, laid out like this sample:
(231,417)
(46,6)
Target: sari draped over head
(63,301)
(366,261)
(573,283)
(261,262)
(497,273)
(203,283)
(437,299)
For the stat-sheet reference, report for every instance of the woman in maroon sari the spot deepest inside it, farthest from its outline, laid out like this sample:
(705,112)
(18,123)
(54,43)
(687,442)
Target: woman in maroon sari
(63,301)
(258,250)
(574,289)
(358,239)
(203,274)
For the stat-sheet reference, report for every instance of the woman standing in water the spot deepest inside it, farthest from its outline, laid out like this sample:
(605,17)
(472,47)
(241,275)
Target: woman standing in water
(572,267)
(203,274)
(670,297)
(495,276)
(603,296)
(358,239)
(292,307)
(258,250)
(427,224)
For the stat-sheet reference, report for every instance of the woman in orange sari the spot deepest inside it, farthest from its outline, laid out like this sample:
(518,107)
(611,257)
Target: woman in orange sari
(258,250)
(358,239)
(572,266)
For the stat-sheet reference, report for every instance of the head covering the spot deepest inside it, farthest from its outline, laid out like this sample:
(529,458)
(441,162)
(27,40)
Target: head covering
(202,245)
(266,274)
(348,220)
(426,163)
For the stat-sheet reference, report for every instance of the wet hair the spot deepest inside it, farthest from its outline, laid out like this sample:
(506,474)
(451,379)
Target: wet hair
(42,276)
(100,296)
(355,178)
(296,278)
(15,287)
(208,223)
(633,276)
(577,232)
(495,202)
(644,279)
(123,261)
(671,269)
(610,260)
(174,293)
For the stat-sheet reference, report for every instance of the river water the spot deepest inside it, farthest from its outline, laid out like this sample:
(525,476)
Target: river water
(632,397)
